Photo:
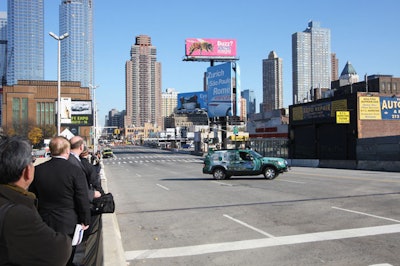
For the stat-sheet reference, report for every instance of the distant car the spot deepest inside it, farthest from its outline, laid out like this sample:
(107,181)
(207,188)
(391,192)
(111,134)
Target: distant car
(223,164)
(80,107)
(187,146)
(107,153)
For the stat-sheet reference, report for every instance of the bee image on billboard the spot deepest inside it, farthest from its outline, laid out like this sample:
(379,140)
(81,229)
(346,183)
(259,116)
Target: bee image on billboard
(196,47)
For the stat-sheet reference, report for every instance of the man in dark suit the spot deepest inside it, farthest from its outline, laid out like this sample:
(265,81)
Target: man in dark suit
(25,238)
(62,191)
(88,253)
(77,147)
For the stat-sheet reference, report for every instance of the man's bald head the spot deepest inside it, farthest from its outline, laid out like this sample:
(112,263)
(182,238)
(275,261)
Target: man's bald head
(77,145)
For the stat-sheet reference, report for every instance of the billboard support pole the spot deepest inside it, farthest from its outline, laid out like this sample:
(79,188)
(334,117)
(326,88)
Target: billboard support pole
(223,121)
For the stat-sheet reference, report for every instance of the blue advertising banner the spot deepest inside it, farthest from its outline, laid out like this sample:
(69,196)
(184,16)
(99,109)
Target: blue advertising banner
(390,108)
(190,101)
(219,87)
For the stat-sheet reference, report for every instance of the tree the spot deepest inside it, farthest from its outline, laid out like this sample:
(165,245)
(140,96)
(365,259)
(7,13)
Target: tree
(35,135)
(49,131)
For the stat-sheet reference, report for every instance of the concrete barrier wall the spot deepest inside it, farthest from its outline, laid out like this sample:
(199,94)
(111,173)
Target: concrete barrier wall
(389,166)
(303,162)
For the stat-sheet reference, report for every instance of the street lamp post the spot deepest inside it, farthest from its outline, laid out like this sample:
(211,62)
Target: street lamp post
(94,117)
(59,38)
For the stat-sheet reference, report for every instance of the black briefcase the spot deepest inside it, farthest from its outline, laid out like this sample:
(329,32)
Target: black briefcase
(104,204)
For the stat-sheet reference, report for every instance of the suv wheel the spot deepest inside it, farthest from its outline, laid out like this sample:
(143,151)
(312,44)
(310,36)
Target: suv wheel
(219,173)
(269,173)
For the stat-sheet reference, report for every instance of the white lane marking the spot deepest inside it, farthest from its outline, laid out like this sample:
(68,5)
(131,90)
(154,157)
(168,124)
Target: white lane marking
(367,214)
(161,186)
(248,226)
(222,183)
(261,243)
(290,181)
(381,264)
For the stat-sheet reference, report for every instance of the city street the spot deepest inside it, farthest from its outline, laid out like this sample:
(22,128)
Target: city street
(169,213)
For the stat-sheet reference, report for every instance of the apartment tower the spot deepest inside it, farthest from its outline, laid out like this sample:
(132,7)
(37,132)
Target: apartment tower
(25,41)
(272,83)
(143,85)
(311,61)
(76,19)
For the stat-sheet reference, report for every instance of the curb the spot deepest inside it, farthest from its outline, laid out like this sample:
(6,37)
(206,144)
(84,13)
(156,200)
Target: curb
(113,251)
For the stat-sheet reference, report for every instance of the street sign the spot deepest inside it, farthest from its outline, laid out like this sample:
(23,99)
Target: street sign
(342,117)
(235,130)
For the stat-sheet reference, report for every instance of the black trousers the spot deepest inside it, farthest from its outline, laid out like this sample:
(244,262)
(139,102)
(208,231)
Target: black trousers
(90,251)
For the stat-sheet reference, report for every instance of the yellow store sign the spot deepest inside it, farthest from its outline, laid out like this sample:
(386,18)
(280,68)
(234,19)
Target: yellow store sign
(342,117)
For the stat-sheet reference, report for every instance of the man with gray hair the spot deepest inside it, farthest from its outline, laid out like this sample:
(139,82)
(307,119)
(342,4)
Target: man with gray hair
(25,239)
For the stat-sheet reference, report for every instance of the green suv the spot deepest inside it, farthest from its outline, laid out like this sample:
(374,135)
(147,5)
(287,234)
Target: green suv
(223,164)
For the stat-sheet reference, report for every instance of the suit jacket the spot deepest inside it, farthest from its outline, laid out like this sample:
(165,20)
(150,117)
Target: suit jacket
(93,177)
(75,161)
(26,239)
(62,194)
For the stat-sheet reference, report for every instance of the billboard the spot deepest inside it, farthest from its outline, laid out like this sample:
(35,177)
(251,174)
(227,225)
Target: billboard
(379,108)
(219,88)
(81,107)
(191,101)
(81,114)
(210,47)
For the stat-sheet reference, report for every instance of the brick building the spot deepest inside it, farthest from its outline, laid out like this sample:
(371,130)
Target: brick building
(32,103)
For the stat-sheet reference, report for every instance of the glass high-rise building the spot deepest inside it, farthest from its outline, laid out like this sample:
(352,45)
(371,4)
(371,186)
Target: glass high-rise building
(76,19)
(272,83)
(25,40)
(250,98)
(3,47)
(311,61)
(143,85)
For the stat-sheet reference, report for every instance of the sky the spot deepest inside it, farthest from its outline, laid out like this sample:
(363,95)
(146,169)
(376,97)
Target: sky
(366,33)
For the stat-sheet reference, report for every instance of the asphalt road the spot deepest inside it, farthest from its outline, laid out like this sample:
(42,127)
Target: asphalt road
(169,213)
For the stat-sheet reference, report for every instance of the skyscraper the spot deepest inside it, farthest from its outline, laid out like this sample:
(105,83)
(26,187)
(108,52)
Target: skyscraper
(250,98)
(334,67)
(3,56)
(3,47)
(76,19)
(349,75)
(272,83)
(143,84)
(25,40)
(311,61)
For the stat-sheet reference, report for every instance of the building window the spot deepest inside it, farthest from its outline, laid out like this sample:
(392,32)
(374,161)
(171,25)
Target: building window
(19,112)
(45,114)
(15,111)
